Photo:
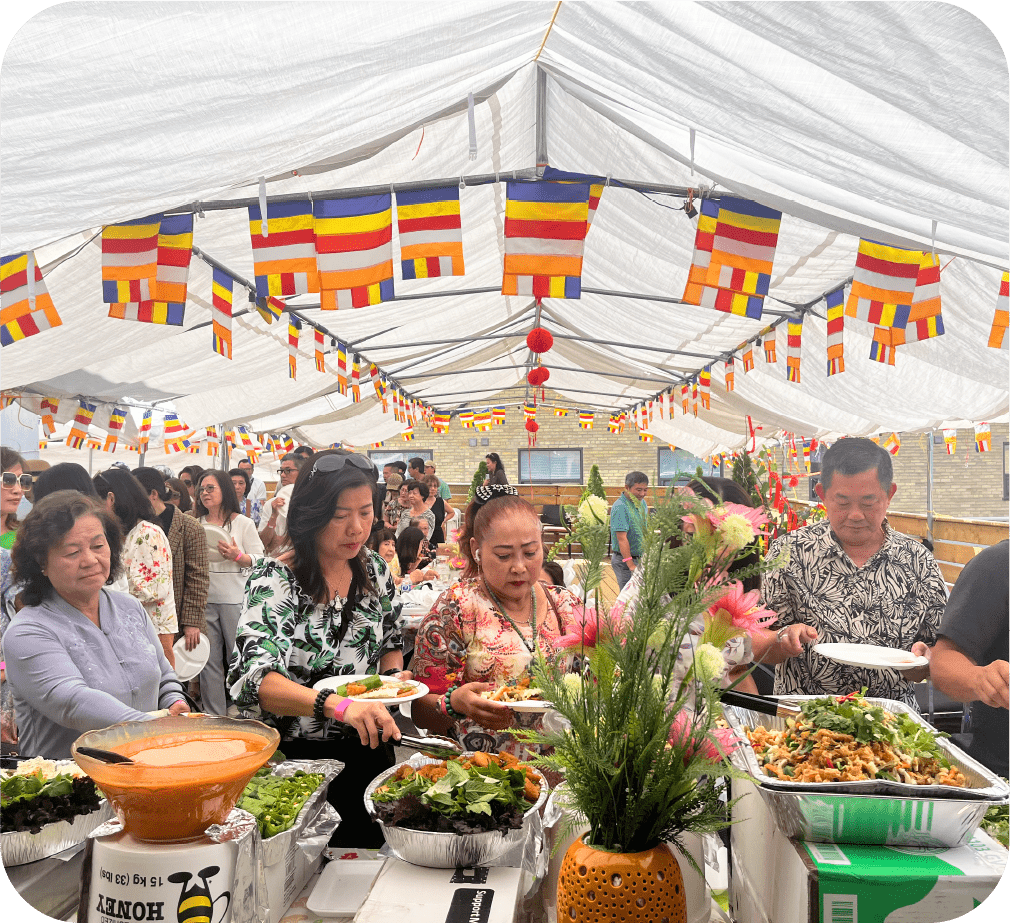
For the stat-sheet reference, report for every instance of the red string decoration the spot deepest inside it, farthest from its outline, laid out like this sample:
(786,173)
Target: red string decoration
(531,427)
(536,377)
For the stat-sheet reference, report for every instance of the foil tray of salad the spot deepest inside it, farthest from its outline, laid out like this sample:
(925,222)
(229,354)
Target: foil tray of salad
(860,746)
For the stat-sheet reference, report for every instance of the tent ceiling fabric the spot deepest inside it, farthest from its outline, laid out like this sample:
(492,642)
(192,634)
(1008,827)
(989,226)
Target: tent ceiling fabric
(852,118)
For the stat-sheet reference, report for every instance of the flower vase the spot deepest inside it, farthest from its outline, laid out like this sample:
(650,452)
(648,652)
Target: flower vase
(641,887)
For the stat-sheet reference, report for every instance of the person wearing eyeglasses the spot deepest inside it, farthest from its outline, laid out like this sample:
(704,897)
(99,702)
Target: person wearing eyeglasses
(189,476)
(275,533)
(332,612)
(15,483)
(217,505)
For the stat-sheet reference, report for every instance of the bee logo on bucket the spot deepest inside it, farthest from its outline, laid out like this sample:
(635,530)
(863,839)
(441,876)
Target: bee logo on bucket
(195,904)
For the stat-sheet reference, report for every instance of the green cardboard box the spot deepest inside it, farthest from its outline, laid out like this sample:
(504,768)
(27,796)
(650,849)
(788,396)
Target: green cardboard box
(777,880)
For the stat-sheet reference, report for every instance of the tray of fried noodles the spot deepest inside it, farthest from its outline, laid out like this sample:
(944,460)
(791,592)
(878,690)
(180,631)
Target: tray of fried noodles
(859,745)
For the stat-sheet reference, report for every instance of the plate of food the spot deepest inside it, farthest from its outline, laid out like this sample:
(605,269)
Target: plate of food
(386,690)
(871,656)
(519,697)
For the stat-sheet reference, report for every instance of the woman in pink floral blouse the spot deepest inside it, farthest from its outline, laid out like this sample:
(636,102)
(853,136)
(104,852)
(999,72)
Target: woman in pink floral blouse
(147,556)
(483,631)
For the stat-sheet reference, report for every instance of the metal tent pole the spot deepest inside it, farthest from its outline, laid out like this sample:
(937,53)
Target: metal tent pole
(929,488)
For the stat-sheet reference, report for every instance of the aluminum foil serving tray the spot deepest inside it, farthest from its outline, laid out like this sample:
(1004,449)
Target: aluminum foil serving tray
(434,849)
(874,811)
(23,847)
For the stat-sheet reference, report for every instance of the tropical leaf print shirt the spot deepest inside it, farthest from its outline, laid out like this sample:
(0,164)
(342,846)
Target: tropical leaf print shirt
(893,600)
(281,629)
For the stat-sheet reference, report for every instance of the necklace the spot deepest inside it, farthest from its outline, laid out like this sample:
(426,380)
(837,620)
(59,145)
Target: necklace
(531,646)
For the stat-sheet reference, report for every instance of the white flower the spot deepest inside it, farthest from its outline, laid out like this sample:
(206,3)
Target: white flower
(735,532)
(709,662)
(593,508)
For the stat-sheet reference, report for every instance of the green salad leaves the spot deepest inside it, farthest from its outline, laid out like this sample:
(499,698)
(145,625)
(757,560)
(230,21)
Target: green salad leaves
(29,802)
(473,799)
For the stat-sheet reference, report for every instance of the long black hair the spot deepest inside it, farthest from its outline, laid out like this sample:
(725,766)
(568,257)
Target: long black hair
(310,509)
(131,502)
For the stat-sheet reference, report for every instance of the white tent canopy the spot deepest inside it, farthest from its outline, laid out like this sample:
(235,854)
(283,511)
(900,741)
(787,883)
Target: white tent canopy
(885,120)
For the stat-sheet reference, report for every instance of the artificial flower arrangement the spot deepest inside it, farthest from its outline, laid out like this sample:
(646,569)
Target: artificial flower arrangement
(643,758)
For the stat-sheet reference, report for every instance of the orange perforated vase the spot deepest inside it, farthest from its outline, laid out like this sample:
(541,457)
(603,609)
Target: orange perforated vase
(645,887)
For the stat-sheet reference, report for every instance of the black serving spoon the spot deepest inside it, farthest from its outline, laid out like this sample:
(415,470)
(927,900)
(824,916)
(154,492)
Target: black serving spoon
(105,756)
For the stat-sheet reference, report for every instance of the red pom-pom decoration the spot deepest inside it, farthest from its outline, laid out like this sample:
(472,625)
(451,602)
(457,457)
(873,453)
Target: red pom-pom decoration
(537,376)
(539,340)
(532,426)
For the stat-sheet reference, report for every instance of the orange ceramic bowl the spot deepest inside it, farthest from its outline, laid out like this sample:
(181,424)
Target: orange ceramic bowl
(188,774)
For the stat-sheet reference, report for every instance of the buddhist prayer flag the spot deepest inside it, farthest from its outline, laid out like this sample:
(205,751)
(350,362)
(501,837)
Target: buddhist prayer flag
(595,187)
(586,419)
(49,408)
(545,233)
(1001,319)
(117,421)
(176,436)
(175,252)
(354,251)
(730,374)
(211,441)
(645,437)
(377,383)
(614,423)
(149,312)
(270,308)
(285,260)
(622,419)
(130,260)
(294,332)
(794,340)
(924,320)
(221,307)
(19,317)
(769,345)
(431,234)
(882,346)
(529,411)
(356,379)
(734,250)
(983,437)
(748,358)
(836,324)
(705,387)
(144,435)
(440,423)
(320,342)
(694,397)
(950,440)
(408,433)
(892,443)
(482,420)
(685,397)
(341,368)
(883,284)
(560,412)
(466,418)
(498,415)
(79,431)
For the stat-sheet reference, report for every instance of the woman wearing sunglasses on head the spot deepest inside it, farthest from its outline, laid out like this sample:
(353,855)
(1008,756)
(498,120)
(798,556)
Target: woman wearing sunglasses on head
(15,483)
(217,506)
(330,613)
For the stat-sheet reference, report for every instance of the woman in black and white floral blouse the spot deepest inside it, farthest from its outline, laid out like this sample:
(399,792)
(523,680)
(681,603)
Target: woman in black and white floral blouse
(331,613)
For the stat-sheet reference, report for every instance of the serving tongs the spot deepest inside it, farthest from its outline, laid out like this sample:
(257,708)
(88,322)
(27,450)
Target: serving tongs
(441,748)
(759,703)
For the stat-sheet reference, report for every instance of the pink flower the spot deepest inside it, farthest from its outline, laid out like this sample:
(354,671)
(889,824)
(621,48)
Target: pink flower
(742,610)
(584,631)
(712,746)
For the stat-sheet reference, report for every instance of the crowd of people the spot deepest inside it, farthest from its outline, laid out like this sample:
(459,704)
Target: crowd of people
(108,577)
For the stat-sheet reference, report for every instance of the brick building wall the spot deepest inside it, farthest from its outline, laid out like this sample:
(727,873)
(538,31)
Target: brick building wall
(966,485)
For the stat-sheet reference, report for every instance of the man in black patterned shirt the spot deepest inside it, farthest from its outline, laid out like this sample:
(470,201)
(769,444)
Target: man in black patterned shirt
(850,579)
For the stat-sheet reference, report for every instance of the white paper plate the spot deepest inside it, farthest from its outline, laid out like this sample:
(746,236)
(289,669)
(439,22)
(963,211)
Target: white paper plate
(343,886)
(871,656)
(214,535)
(531,705)
(189,663)
(331,682)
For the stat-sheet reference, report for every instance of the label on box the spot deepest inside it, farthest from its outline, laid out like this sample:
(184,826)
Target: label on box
(470,905)
(887,884)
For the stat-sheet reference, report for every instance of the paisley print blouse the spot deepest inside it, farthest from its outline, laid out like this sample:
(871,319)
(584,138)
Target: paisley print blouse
(464,633)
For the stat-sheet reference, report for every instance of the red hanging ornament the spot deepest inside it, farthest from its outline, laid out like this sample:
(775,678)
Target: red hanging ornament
(536,377)
(531,427)
(539,340)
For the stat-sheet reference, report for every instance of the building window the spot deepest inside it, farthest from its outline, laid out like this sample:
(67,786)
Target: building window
(550,466)
(382,457)
(676,463)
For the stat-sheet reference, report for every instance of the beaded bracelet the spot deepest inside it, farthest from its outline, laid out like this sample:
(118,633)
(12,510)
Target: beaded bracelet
(319,704)
(451,712)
